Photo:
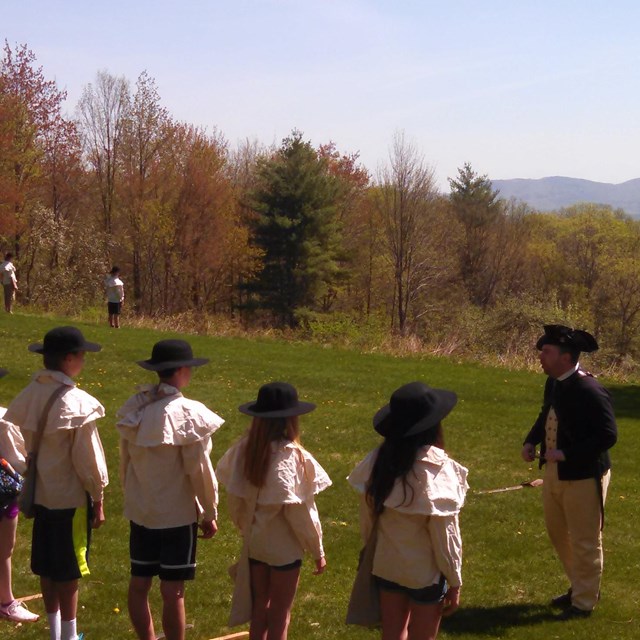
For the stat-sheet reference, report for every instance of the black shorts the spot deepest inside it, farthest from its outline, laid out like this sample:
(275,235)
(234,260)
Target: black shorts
(296,564)
(114,308)
(169,554)
(426,595)
(60,543)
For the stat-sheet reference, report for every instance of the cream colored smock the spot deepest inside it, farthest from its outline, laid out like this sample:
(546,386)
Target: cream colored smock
(165,470)
(418,534)
(286,521)
(71,459)
(12,444)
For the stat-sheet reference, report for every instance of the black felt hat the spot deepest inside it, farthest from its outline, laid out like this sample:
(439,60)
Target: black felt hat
(63,340)
(276,400)
(574,339)
(171,354)
(412,409)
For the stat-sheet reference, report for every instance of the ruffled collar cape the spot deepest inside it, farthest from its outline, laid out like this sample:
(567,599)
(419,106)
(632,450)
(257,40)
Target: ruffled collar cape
(294,475)
(71,410)
(439,484)
(160,414)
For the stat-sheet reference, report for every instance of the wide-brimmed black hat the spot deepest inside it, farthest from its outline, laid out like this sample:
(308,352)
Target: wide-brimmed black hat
(412,409)
(575,339)
(63,340)
(171,354)
(276,400)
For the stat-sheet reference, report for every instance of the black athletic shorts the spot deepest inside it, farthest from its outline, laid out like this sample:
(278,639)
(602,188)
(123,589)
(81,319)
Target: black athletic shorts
(426,595)
(296,564)
(169,554)
(114,308)
(60,543)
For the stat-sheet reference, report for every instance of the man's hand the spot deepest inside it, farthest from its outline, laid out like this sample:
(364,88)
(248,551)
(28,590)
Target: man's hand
(451,601)
(208,528)
(554,455)
(528,452)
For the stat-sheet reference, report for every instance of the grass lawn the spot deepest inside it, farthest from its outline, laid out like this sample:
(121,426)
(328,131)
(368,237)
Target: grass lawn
(509,571)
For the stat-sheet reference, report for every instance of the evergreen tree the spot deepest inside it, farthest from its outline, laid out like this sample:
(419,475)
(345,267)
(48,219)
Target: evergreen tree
(296,229)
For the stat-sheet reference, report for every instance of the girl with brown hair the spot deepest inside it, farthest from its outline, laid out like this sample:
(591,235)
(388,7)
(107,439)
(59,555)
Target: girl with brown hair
(271,483)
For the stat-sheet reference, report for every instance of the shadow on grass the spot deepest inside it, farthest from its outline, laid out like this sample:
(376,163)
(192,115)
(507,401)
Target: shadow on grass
(494,621)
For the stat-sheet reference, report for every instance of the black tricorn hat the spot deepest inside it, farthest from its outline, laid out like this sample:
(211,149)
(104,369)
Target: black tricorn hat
(62,340)
(574,339)
(412,409)
(276,400)
(171,354)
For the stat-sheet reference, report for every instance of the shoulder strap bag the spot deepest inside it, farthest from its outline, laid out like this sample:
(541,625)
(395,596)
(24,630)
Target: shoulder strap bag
(26,500)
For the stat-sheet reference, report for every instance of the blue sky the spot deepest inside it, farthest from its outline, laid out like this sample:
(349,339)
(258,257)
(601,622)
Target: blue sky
(519,88)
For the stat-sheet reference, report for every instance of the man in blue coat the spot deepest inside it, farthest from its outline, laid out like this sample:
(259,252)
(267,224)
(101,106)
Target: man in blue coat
(575,429)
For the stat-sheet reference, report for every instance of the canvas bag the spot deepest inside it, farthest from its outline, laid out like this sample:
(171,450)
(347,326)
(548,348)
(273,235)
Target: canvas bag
(27,498)
(240,572)
(364,604)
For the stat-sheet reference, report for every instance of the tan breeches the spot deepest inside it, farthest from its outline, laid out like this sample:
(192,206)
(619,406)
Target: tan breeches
(573,518)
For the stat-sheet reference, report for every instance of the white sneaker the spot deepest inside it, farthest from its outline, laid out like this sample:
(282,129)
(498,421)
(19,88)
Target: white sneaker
(18,612)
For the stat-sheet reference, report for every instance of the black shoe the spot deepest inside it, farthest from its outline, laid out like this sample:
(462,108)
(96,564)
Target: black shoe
(563,601)
(572,613)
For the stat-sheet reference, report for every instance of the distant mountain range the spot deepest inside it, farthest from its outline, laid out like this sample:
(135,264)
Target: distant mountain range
(549,194)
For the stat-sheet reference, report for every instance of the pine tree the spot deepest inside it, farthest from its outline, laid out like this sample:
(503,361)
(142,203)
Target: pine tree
(296,229)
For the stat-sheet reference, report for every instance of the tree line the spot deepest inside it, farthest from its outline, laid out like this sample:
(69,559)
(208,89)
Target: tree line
(291,236)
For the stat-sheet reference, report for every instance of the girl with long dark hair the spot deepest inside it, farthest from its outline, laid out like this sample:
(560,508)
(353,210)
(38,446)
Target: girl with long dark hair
(412,493)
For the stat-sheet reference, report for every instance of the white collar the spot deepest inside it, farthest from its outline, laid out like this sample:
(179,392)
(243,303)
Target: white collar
(569,373)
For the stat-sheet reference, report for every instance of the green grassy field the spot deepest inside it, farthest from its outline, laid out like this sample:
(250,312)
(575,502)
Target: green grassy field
(509,571)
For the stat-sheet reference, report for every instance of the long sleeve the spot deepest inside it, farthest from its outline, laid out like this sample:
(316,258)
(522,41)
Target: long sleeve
(198,467)
(12,447)
(237,507)
(447,547)
(366,519)
(88,459)
(305,522)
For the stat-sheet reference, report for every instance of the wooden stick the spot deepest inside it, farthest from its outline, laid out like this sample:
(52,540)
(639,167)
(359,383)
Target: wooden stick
(233,636)
(35,596)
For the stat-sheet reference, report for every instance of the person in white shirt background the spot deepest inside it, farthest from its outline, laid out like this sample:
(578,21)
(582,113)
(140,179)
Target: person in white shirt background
(9,281)
(115,296)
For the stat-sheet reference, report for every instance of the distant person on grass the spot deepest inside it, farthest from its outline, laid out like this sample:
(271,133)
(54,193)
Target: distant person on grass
(9,282)
(271,483)
(169,484)
(114,288)
(412,493)
(12,450)
(575,429)
(71,473)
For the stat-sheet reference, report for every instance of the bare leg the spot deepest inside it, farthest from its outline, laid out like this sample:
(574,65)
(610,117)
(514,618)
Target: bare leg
(260,601)
(424,621)
(8,528)
(139,610)
(173,613)
(282,591)
(49,595)
(68,597)
(394,608)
